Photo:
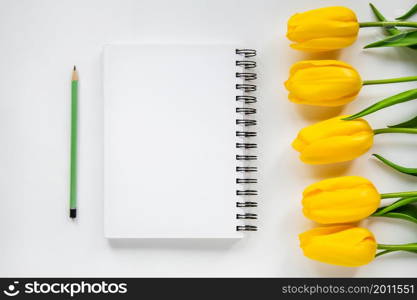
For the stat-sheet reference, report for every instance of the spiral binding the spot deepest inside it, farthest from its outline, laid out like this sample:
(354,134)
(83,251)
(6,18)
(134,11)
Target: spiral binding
(246,99)
(246,64)
(246,157)
(247,204)
(244,109)
(246,87)
(246,228)
(246,133)
(246,145)
(246,76)
(246,122)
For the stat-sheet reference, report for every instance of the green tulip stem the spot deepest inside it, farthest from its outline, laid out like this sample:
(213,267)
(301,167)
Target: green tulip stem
(395,130)
(392,248)
(400,247)
(388,24)
(390,80)
(399,195)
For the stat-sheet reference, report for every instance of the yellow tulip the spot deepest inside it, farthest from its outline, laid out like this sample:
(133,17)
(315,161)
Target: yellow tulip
(333,141)
(323,83)
(323,29)
(343,245)
(340,200)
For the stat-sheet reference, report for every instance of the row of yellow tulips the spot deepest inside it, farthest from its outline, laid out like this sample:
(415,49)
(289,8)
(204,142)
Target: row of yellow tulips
(338,202)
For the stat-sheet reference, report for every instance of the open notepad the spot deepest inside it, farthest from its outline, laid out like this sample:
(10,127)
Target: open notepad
(179,129)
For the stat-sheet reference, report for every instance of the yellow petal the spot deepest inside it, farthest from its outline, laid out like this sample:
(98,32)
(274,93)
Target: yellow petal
(324,44)
(316,29)
(304,64)
(339,245)
(333,127)
(330,83)
(337,149)
(323,29)
(336,183)
(340,200)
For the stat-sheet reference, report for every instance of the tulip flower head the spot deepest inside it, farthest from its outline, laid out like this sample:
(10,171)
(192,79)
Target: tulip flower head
(333,140)
(323,29)
(343,245)
(323,83)
(340,200)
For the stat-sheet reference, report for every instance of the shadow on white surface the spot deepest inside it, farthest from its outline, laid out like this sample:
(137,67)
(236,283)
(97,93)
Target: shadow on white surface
(392,173)
(402,55)
(325,270)
(317,114)
(294,257)
(317,56)
(330,170)
(182,244)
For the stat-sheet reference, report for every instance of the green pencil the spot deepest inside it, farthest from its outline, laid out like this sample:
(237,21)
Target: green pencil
(74,128)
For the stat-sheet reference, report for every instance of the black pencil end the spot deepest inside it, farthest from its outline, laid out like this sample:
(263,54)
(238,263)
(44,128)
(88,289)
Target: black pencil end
(75,68)
(73,213)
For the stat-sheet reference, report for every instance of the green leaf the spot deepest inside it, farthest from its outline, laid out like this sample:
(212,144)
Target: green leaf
(407,212)
(409,13)
(409,171)
(396,99)
(391,30)
(399,39)
(407,124)
(395,205)
(402,39)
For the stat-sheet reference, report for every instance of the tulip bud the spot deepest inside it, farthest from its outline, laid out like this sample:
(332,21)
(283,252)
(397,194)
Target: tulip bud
(323,83)
(323,29)
(340,200)
(333,141)
(343,245)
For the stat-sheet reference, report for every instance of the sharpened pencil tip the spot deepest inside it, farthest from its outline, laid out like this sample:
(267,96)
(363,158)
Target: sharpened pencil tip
(75,68)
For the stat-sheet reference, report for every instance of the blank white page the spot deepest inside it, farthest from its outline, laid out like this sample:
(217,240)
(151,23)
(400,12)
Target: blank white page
(168,172)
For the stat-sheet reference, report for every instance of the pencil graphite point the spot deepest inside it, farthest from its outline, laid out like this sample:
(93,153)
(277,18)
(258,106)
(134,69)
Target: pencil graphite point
(75,68)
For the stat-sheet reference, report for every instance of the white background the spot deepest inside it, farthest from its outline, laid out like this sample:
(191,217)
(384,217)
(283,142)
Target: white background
(41,40)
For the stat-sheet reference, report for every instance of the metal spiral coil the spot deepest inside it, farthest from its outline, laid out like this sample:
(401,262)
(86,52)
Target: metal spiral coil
(246,228)
(246,133)
(246,157)
(246,64)
(246,145)
(249,216)
(247,204)
(246,122)
(246,100)
(246,169)
(246,110)
(246,87)
(246,52)
(246,180)
(246,192)
(246,76)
